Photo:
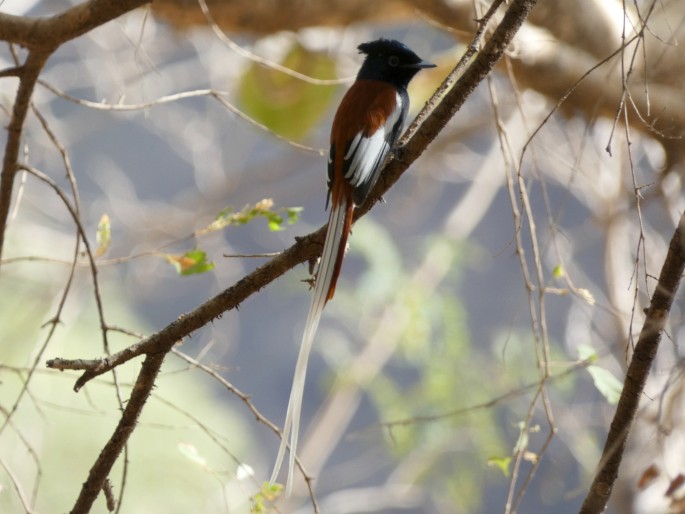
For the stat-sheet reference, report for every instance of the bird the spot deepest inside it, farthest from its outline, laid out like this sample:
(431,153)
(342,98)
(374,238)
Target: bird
(364,132)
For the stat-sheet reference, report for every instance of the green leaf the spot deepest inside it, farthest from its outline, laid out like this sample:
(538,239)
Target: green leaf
(606,383)
(275,221)
(103,236)
(288,105)
(262,209)
(558,271)
(587,353)
(268,493)
(271,491)
(501,463)
(293,214)
(190,263)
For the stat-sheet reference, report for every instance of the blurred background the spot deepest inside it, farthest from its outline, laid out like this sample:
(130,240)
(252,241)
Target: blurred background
(476,346)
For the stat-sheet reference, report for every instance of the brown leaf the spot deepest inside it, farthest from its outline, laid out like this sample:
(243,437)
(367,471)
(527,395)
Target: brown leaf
(648,476)
(675,484)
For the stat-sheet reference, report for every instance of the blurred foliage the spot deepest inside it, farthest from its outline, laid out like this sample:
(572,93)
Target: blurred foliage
(190,263)
(287,105)
(605,382)
(103,236)
(434,348)
(56,432)
(262,209)
(195,261)
(261,502)
(443,419)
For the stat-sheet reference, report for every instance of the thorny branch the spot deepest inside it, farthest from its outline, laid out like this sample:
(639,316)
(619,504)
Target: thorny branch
(433,119)
(43,37)
(255,412)
(99,472)
(638,371)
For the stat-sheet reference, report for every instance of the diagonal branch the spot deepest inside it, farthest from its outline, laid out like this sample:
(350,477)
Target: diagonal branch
(309,247)
(159,344)
(129,418)
(454,98)
(304,249)
(638,371)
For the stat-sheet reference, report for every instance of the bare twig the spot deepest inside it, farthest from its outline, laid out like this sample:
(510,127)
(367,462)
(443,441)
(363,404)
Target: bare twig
(17,487)
(260,60)
(157,345)
(30,72)
(503,398)
(638,371)
(129,418)
(255,412)
(80,235)
(73,210)
(220,96)
(42,37)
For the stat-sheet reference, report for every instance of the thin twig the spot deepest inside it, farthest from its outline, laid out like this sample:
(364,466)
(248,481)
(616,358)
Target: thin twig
(157,345)
(42,37)
(220,96)
(638,371)
(261,60)
(17,487)
(31,70)
(255,412)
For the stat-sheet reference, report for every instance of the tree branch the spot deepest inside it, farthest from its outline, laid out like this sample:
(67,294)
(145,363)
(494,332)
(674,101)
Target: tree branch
(162,341)
(638,371)
(309,247)
(454,98)
(47,34)
(100,470)
(159,344)
(561,42)
(42,36)
(22,102)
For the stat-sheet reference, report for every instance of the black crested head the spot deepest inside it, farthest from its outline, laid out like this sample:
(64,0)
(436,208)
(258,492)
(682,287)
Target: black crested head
(390,61)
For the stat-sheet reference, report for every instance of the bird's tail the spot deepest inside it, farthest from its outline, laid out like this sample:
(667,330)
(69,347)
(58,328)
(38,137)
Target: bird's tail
(339,224)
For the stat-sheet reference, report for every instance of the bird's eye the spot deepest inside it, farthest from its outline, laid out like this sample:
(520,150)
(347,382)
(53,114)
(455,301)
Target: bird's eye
(393,60)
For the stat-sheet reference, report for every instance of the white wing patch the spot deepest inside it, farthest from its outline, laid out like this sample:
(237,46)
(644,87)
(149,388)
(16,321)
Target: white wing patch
(353,146)
(367,152)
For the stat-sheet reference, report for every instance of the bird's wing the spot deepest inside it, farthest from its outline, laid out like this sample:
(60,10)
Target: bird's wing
(374,113)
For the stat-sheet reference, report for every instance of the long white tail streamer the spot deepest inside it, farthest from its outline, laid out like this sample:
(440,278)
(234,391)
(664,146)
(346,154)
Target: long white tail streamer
(331,253)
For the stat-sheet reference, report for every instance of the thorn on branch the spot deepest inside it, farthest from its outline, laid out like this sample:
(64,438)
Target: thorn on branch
(109,495)
(52,321)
